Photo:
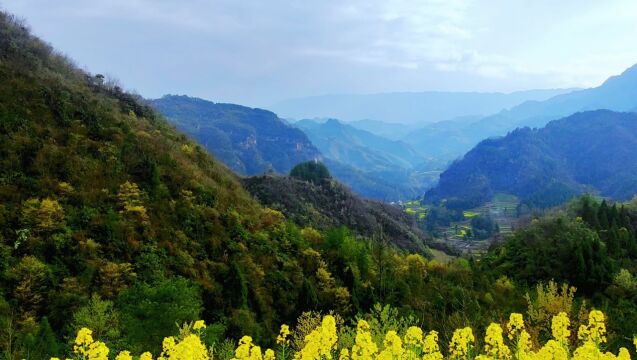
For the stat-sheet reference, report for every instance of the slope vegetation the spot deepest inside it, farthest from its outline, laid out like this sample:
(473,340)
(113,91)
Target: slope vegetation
(591,151)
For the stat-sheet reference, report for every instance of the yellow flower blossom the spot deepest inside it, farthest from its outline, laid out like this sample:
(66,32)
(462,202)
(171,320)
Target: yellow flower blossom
(190,348)
(320,342)
(494,343)
(269,355)
(596,329)
(393,346)
(515,325)
(559,327)
(199,324)
(413,337)
(461,343)
(124,355)
(283,335)
(430,347)
(554,350)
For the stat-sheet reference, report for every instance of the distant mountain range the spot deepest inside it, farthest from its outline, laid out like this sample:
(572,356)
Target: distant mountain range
(450,139)
(359,148)
(414,108)
(593,151)
(249,141)
(255,141)
(371,162)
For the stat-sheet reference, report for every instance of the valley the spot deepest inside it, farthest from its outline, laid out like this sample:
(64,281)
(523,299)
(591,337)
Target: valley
(345,220)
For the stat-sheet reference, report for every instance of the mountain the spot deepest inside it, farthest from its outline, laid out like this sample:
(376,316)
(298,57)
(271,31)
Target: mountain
(412,108)
(358,148)
(392,131)
(255,141)
(592,151)
(249,141)
(113,220)
(373,166)
(449,140)
(328,204)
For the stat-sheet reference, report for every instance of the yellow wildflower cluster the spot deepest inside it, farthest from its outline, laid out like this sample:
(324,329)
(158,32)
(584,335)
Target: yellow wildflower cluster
(595,331)
(282,339)
(430,347)
(189,348)
(249,351)
(461,343)
(89,349)
(320,343)
(323,343)
(559,327)
(494,343)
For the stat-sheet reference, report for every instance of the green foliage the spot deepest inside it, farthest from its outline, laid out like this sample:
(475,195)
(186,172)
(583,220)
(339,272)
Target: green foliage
(555,248)
(312,171)
(150,312)
(101,317)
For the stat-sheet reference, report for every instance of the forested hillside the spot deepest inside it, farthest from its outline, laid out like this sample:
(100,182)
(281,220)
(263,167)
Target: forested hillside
(249,141)
(591,151)
(121,238)
(327,204)
(111,219)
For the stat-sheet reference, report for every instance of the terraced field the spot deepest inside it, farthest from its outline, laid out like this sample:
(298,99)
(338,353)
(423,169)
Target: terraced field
(502,209)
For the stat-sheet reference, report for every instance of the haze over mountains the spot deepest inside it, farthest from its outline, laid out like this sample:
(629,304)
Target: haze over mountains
(450,139)
(255,141)
(379,159)
(412,108)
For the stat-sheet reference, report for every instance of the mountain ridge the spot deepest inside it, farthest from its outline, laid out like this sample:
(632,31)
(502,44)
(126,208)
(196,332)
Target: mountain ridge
(584,152)
(249,140)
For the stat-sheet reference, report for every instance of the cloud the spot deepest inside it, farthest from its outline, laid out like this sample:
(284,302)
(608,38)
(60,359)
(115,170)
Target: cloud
(256,52)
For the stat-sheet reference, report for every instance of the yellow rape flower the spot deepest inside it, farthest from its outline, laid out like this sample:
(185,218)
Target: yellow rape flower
(283,334)
(430,347)
(364,347)
(190,348)
(596,329)
(494,343)
(146,356)
(199,324)
(553,350)
(393,346)
(91,350)
(124,355)
(413,336)
(344,355)
(461,343)
(559,327)
(269,355)
(320,342)
(515,325)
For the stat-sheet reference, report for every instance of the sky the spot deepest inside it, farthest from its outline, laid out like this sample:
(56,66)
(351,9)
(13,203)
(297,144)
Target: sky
(258,52)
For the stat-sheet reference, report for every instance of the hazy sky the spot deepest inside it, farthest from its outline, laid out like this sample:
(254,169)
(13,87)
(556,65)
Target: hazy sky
(258,52)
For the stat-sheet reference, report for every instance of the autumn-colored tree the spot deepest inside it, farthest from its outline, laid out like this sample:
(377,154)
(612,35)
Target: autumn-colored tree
(130,201)
(44,216)
(31,278)
(115,278)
